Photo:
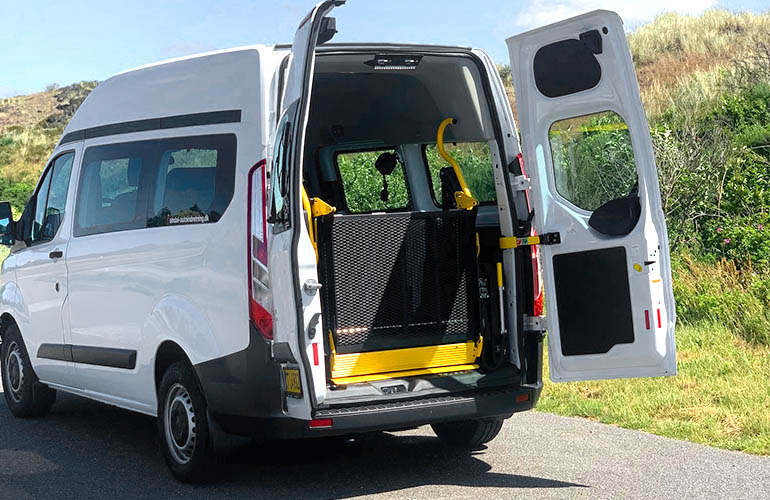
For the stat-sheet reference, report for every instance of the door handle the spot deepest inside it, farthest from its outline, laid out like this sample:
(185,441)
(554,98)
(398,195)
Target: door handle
(56,254)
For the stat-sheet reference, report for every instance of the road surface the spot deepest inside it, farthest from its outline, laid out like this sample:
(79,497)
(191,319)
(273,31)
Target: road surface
(85,449)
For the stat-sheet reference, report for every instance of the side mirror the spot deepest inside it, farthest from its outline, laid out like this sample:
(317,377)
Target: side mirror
(7,225)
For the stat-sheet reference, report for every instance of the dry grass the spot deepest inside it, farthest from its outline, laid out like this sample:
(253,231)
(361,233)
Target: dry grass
(678,50)
(717,34)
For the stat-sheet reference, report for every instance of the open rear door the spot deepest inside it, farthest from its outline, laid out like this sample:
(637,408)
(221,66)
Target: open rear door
(292,262)
(607,273)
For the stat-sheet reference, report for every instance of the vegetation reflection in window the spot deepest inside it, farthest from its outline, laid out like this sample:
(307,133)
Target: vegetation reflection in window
(592,159)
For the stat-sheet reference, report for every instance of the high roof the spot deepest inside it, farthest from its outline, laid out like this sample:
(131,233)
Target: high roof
(215,81)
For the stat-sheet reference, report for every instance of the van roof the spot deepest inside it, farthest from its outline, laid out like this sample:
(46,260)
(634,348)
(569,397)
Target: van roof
(221,80)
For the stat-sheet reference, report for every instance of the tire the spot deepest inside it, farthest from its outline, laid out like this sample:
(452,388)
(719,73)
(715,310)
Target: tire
(183,426)
(470,434)
(24,394)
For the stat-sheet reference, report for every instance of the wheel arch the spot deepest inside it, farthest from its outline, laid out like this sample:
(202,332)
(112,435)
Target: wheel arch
(168,353)
(6,321)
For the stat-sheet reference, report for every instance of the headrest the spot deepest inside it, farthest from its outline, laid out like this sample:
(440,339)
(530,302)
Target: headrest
(134,171)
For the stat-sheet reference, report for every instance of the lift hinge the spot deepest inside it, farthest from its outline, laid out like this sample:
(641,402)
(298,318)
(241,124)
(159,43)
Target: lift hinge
(520,183)
(507,242)
(535,323)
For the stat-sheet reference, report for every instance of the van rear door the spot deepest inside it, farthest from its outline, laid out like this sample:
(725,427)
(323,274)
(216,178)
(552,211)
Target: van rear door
(291,257)
(606,271)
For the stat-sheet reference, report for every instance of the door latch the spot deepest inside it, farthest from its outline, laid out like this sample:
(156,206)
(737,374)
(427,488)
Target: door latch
(520,183)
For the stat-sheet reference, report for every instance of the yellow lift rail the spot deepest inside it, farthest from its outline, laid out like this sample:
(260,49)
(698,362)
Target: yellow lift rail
(463,198)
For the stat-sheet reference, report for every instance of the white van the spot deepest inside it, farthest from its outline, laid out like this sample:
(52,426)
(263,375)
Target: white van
(324,239)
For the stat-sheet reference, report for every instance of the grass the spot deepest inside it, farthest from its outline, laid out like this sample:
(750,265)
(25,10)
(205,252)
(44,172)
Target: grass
(717,33)
(719,397)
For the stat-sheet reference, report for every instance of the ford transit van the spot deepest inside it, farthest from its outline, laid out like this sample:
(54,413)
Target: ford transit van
(323,239)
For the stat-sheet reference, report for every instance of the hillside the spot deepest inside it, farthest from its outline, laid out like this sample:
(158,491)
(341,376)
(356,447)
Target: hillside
(30,126)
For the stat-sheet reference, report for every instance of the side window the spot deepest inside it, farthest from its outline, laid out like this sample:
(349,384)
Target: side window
(108,195)
(39,215)
(195,180)
(280,179)
(593,162)
(185,180)
(475,163)
(51,199)
(366,188)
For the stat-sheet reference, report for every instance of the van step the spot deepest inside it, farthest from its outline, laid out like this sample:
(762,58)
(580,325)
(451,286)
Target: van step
(417,403)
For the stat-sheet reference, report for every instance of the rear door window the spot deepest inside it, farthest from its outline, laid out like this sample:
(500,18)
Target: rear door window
(368,190)
(475,163)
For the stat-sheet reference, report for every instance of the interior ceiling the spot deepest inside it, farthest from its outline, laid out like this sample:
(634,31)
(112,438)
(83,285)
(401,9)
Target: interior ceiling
(354,103)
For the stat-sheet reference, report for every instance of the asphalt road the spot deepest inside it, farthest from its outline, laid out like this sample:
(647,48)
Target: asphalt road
(85,449)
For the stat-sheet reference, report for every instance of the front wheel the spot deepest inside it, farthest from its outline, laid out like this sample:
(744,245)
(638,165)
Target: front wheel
(183,425)
(24,394)
(471,434)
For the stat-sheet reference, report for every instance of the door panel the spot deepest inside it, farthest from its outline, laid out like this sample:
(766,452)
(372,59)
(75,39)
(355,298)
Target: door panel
(41,272)
(595,182)
(291,256)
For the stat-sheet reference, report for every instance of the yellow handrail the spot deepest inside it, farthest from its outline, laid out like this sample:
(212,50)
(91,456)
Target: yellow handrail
(463,198)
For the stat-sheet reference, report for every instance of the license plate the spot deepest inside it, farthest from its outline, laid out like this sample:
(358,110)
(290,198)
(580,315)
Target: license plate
(291,379)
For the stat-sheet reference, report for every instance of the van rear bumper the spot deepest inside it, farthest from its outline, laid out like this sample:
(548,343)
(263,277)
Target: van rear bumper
(499,403)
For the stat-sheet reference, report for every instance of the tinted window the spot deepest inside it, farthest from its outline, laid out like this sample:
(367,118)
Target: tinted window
(195,180)
(568,66)
(593,162)
(50,200)
(108,195)
(187,180)
(280,178)
(475,163)
(366,189)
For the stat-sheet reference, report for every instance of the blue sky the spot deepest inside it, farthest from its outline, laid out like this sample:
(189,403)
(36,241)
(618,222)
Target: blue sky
(46,41)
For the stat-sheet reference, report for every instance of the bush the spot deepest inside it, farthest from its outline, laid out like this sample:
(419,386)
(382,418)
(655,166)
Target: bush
(17,193)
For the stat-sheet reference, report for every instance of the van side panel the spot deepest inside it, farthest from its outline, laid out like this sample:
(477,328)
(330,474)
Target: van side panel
(134,289)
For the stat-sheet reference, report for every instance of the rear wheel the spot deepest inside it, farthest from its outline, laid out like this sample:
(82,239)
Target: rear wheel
(24,394)
(470,434)
(183,425)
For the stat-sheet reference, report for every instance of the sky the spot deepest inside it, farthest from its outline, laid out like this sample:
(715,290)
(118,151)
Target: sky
(46,41)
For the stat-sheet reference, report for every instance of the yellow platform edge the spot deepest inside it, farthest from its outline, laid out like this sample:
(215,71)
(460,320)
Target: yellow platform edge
(407,373)
(401,360)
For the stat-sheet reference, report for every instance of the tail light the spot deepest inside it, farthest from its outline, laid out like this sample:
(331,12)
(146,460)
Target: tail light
(537,287)
(260,300)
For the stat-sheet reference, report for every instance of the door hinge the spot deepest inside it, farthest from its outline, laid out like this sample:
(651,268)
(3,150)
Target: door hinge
(537,324)
(520,183)
(507,242)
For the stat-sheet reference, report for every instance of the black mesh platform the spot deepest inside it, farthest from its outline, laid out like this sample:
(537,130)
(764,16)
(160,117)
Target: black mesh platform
(399,280)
